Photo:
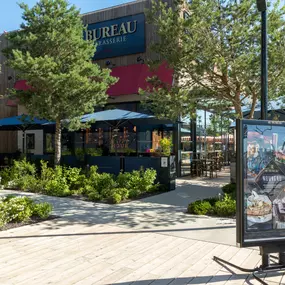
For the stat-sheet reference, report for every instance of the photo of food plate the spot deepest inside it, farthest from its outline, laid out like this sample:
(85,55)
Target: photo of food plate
(258,209)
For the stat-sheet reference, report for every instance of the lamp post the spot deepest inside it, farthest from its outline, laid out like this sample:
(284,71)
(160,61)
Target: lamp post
(262,7)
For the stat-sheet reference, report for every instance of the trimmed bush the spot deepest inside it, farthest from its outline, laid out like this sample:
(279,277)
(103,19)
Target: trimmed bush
(199,208)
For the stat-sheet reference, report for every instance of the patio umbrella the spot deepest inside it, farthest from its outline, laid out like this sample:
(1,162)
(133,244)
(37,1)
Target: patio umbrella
(21,123)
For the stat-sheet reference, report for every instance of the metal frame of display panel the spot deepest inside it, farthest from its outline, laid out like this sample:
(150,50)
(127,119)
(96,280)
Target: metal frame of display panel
(269,180)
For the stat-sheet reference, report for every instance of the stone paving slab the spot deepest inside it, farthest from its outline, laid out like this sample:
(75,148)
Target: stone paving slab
(151,241)
(103,254)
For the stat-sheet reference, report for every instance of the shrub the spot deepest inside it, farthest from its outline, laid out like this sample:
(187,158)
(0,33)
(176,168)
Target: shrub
(134,193)
(148,178)
(105,181)
(124,192)
(165,145)
(73,177)
(123,179)
(57,187)
(57,183)
(199,208)
(226,207)
(115,198)
(19,209)
(3,214)
(94,195)
(140,181)
(23,168)
(229,188)
(16,176)
(6,176)
(212,200)
(28,183)
(94,151)
(42,210)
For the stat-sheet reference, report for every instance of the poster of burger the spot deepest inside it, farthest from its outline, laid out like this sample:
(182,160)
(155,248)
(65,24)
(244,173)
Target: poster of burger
(263,174)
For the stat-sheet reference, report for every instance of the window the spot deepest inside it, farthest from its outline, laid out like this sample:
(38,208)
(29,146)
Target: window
(30,141)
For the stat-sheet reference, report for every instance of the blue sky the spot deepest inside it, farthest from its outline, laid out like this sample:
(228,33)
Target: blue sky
(10,13)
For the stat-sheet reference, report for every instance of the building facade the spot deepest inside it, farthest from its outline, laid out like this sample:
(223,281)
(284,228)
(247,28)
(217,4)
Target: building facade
(123,39)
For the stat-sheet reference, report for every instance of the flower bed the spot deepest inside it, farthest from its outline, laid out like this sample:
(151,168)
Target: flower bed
(65,181)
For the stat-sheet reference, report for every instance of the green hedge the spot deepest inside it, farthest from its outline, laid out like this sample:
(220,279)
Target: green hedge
(226,207)
(230,189)
(15,209)
(65,181)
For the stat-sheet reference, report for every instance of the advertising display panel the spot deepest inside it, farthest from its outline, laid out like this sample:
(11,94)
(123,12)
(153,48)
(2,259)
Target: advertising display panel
(260,182)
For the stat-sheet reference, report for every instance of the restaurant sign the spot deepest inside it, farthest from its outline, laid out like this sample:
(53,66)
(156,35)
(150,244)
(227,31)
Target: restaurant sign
(260,183)
(118,37)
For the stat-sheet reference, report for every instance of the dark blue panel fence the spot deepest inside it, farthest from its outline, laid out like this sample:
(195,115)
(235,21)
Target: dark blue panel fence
(109,164)
(135,163)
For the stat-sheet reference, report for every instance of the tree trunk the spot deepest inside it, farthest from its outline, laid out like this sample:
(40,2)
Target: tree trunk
(238,111)
(254,100)
(57,154)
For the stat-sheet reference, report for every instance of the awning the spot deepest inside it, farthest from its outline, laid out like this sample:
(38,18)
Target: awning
(133,77)
(114,115)
(22,123)
(21,85)
(117,117)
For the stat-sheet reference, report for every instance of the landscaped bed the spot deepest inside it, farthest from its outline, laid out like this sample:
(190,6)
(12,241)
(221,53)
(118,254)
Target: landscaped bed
(222,206)
(66,181)
(17,211)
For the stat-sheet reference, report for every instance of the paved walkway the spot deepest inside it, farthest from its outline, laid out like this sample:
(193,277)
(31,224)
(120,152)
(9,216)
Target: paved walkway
(151,241)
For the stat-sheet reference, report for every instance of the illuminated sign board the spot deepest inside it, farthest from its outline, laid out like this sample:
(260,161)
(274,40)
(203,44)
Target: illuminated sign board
(260,182)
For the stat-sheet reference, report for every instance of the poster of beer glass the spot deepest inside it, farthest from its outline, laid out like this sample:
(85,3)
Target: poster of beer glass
(260,182)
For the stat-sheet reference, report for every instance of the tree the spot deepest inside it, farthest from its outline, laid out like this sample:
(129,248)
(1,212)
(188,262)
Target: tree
(50,53)
(215,53)
(218,124)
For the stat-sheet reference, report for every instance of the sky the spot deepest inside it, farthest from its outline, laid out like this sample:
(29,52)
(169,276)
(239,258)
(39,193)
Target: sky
(10,13)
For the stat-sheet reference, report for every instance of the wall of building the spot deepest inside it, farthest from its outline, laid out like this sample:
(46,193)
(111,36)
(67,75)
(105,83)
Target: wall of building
(39,141)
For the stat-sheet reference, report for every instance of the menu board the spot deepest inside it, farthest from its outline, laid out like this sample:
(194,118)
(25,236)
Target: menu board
(261,182)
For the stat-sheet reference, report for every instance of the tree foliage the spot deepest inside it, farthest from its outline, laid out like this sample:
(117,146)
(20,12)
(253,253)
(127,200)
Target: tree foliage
(215,53)
(50,53)
(218,125)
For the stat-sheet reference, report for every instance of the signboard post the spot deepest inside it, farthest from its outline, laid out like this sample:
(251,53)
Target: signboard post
(261,191)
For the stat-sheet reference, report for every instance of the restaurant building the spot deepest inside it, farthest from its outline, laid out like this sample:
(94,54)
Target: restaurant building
(123,41)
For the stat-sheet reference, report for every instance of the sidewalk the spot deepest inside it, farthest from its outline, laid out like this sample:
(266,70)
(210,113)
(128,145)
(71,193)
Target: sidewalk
(151,241)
